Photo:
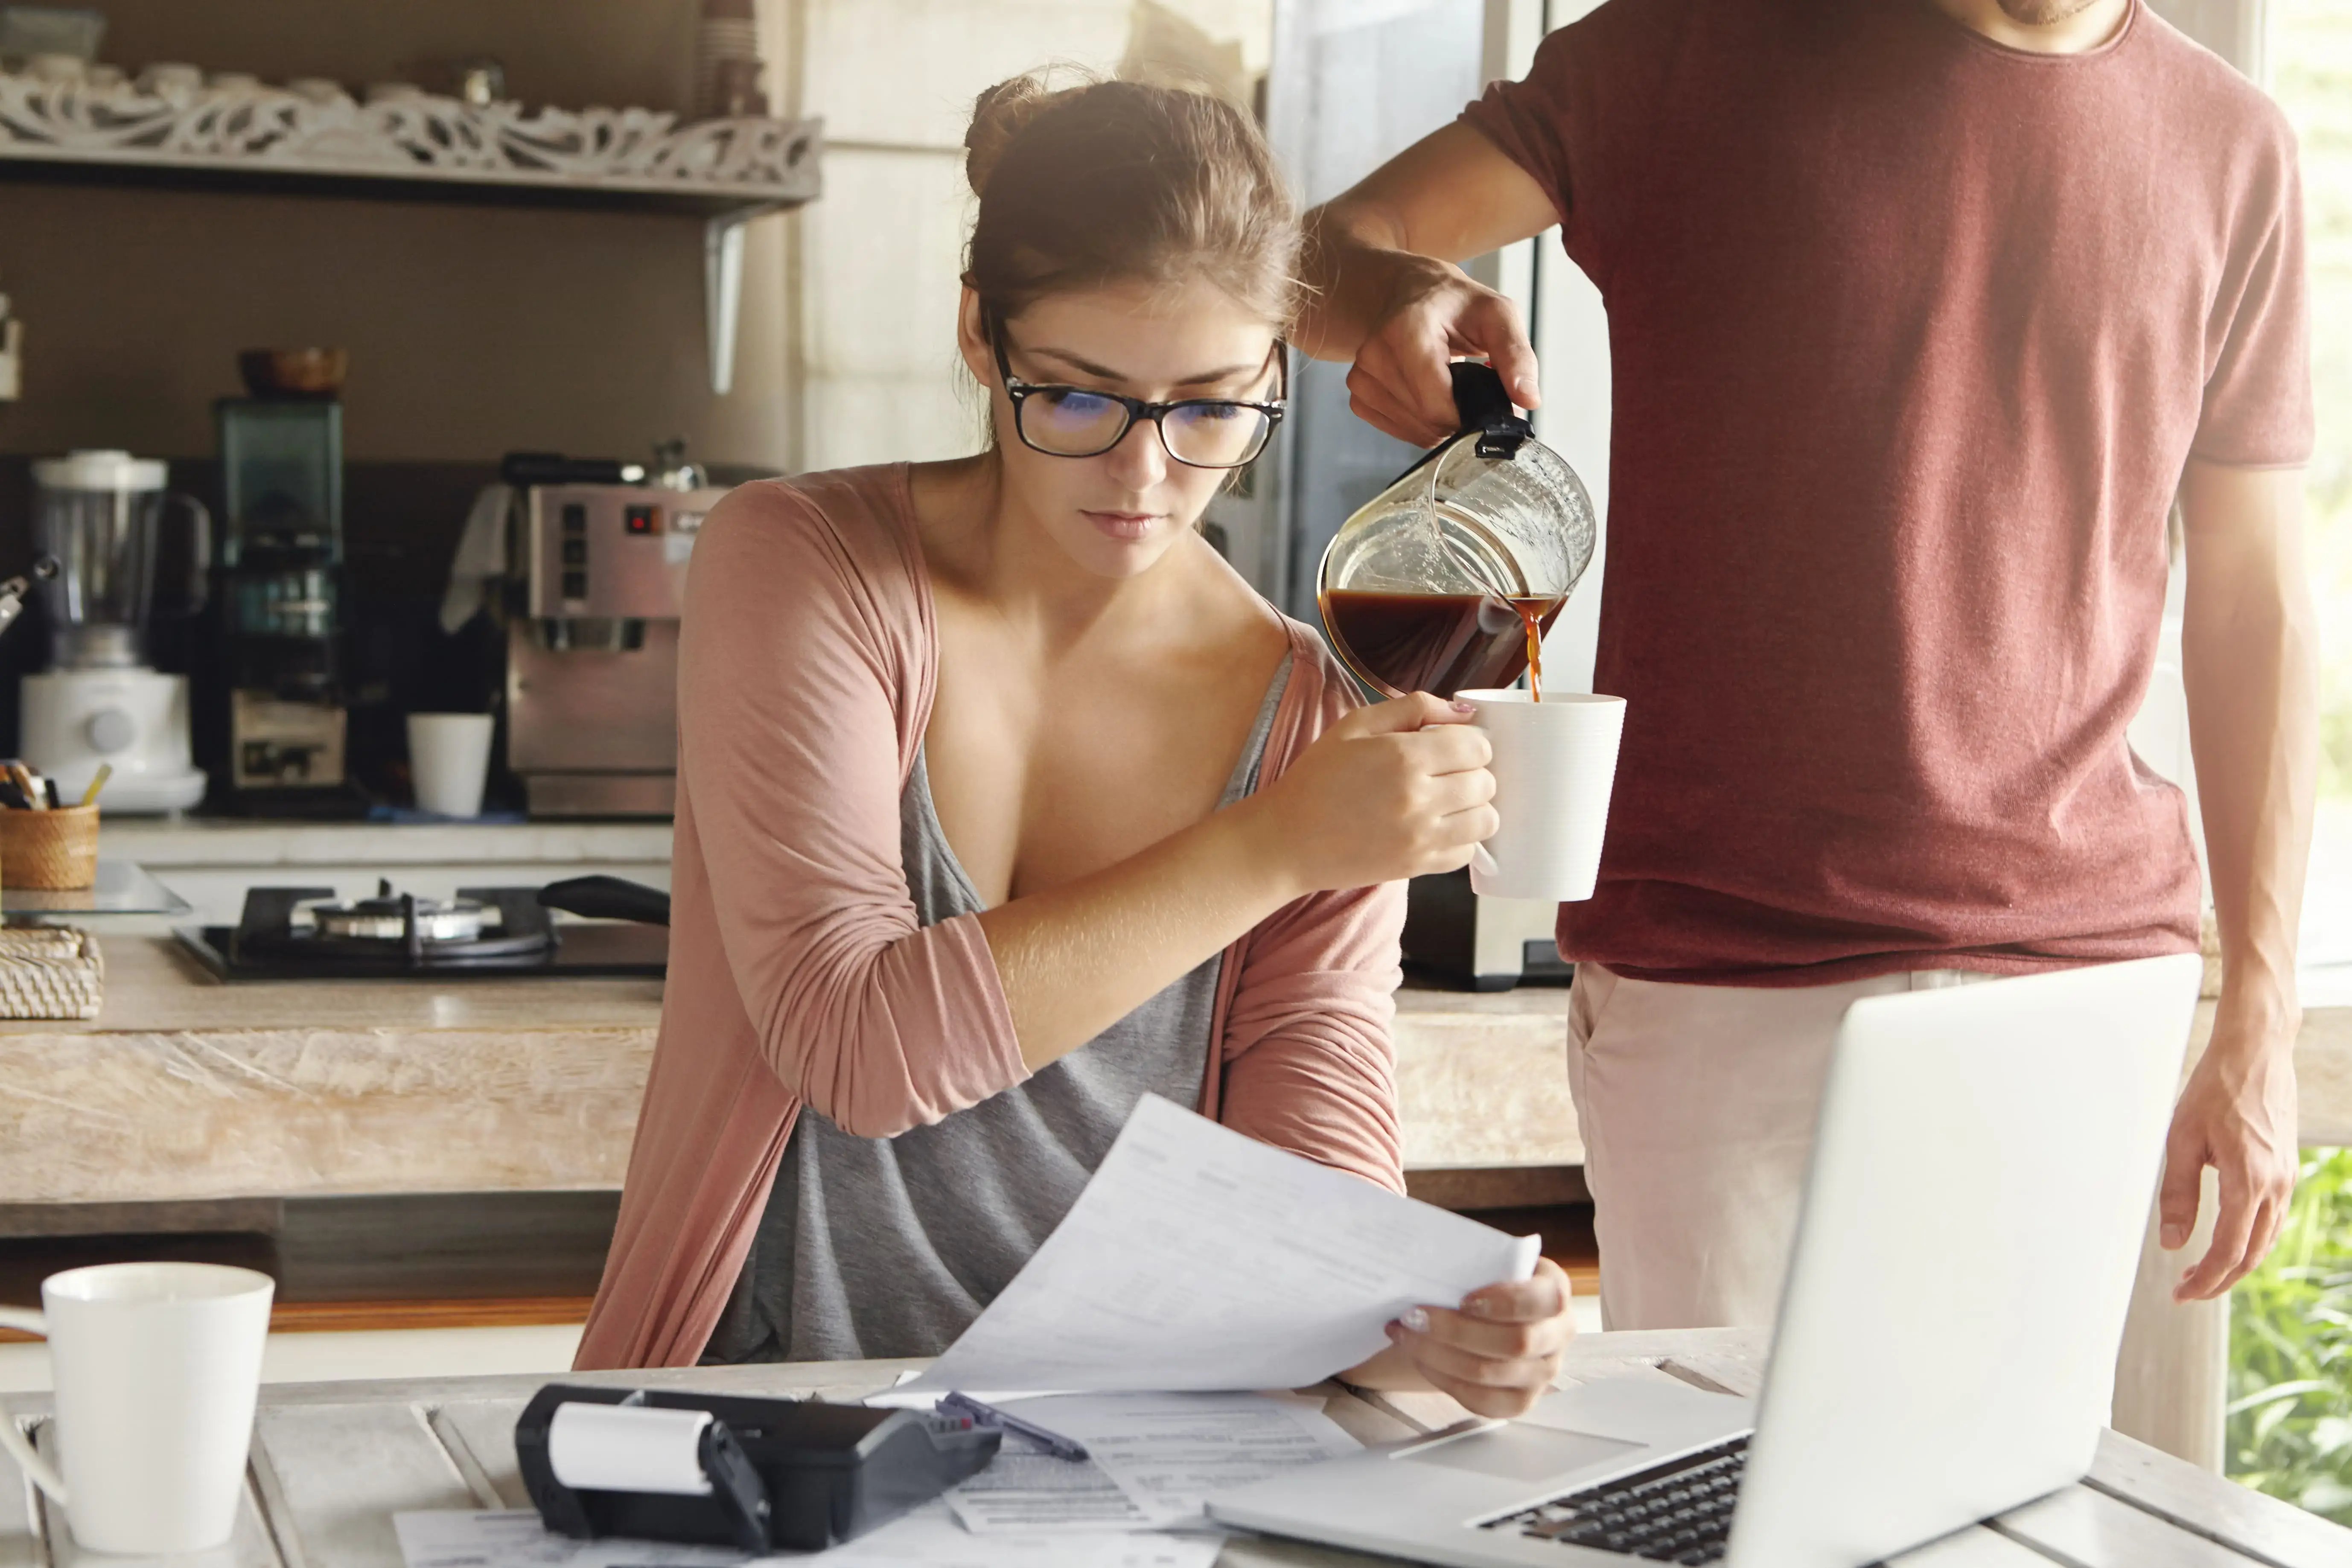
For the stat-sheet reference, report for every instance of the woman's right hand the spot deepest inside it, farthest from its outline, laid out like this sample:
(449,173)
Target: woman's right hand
(1398,789)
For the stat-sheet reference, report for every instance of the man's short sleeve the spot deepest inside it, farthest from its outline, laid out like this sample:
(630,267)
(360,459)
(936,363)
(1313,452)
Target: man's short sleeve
(1528,119)
(2258,411)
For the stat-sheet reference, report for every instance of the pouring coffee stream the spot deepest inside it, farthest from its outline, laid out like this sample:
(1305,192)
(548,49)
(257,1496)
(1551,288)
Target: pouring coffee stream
(1447,580)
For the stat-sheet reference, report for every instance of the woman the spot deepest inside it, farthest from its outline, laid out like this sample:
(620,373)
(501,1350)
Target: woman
(1003,801)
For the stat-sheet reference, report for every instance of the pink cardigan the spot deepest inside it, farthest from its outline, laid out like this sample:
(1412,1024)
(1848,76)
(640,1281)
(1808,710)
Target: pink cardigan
(798,973)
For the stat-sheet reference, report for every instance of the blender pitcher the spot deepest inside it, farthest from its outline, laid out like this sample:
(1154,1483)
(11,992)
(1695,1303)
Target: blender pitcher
(101,513)
(1447,579)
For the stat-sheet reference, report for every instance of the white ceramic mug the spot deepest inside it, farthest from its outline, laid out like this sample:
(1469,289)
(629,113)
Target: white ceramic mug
(156,1367)
(448,761)
(1555,765)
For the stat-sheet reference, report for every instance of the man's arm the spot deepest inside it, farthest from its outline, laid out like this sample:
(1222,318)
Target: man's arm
(1386,294)
(2253,724)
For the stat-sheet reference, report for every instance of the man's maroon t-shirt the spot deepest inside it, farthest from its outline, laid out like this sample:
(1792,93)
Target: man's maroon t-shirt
(1912,337)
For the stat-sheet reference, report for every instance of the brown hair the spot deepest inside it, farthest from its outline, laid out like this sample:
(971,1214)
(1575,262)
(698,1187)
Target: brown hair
(1119,181)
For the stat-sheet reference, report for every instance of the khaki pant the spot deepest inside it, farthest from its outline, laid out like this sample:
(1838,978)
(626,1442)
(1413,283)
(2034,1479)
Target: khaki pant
(1698,1105)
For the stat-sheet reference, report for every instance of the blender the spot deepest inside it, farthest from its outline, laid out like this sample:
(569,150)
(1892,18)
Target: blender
(101,514)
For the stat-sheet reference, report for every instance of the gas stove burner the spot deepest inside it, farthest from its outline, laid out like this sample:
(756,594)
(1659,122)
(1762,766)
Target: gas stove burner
(392,916)
(482,928)
(310,934)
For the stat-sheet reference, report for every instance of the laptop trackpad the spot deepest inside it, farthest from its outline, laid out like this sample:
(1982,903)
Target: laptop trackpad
(1522,1453)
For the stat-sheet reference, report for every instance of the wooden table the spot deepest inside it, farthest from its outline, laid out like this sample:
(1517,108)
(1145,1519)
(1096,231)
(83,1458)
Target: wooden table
(332,1462)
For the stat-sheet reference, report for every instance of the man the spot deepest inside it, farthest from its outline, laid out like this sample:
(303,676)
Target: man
(1922,312)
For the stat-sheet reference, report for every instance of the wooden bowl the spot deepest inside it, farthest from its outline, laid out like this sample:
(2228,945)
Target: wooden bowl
(53,850)
(293,373)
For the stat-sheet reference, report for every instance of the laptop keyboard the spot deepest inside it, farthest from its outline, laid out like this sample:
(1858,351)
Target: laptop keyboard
(1677,1512)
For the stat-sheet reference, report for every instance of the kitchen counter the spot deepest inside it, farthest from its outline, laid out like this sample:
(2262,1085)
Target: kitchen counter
(188,1088)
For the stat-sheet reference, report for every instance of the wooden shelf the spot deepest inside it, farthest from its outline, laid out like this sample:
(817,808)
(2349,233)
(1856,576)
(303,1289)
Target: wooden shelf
(25,161)
(245,136)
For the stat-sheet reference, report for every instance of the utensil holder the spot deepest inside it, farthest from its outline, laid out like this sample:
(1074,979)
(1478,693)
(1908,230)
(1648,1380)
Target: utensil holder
(52,850)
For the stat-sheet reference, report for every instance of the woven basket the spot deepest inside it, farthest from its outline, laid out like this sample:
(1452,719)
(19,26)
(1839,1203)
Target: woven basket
(50,972)
(50,849)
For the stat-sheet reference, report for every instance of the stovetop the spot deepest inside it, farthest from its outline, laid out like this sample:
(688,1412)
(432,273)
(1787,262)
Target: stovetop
(270,942)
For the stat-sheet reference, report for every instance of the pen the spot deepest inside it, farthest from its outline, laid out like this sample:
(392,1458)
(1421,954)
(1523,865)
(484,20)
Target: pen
(982,1415)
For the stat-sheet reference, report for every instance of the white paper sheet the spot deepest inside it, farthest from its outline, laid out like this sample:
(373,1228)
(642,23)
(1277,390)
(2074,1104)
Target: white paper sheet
(927,1538)
(1169,1451)
(1153,1458)
(1200,1258)
(514,1538)
(1027,1488)
(931,1538)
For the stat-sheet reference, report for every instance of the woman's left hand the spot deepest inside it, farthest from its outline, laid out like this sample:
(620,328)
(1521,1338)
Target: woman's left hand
(1497,1353)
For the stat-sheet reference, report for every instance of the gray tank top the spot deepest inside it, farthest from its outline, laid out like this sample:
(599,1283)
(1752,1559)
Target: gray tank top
(890,1246)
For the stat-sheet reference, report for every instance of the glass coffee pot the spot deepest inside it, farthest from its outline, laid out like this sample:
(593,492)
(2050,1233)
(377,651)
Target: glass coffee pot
(1447,580)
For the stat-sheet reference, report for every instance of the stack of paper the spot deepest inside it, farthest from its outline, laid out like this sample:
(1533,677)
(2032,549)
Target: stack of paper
(1196,1260)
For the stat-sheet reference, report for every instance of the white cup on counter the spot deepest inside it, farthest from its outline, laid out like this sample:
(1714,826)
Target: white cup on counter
(1555,766)
(450,761)
(156,1368)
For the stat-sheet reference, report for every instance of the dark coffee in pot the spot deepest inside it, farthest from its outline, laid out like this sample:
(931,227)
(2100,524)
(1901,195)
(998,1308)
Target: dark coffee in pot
(1438,643)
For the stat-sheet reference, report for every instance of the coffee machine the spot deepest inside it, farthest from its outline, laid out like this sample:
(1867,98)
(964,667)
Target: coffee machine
(281,557)
(101,514)
(1463,938)
(597,583)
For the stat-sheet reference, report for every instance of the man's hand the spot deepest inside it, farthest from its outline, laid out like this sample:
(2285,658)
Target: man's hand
(1386,291)
(2236,1115)
(1434,314)
(2247,664)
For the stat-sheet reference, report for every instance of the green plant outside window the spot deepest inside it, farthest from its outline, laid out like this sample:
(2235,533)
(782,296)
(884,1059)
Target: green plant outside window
(2290,1418)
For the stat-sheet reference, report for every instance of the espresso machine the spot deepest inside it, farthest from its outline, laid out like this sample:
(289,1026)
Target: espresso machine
(281,557)
(101,514)
(1463,938)
(597,583)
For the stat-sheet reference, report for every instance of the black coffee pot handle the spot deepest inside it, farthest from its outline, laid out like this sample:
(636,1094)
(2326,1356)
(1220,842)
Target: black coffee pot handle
(1485,409)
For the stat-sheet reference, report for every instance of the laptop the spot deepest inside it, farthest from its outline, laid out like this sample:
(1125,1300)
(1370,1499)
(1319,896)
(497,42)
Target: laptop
(1946,1339)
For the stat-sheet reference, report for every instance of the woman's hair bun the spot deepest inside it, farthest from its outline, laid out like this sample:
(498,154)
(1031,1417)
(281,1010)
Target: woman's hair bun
(1084,182)
(997,117)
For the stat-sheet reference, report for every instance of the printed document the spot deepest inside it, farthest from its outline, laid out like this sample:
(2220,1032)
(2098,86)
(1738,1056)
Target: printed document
(927,1538)
(514,1538)
(1169,1451)
(1152,1459)
(1200,1258)
(1027,1488)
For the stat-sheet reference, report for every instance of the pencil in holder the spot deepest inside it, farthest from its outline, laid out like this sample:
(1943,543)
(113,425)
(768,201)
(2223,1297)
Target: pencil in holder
(53,850)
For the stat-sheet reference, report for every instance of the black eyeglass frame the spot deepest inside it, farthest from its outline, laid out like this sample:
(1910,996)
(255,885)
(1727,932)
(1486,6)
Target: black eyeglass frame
(1020,392)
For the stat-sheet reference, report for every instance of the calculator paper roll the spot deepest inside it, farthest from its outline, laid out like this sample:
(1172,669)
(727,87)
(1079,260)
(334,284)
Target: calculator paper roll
(628,1449)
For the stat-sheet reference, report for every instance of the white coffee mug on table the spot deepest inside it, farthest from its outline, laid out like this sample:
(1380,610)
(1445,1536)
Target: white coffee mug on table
(155,1368)
(1555,764)
(448,761)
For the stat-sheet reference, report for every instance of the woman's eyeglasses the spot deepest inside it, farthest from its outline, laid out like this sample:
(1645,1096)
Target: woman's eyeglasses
(1198,432)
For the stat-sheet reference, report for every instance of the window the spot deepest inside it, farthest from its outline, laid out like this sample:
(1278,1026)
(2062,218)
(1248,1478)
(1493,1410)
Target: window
(2290,1423)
